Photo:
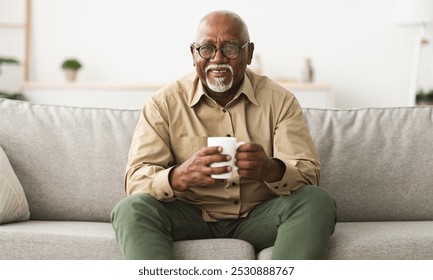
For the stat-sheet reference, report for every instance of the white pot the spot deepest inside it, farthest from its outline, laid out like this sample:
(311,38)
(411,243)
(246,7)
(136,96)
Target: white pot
(70,74)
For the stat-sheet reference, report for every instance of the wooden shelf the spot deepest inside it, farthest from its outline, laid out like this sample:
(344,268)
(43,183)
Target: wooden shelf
(13,25)
(141,86)
(89,86)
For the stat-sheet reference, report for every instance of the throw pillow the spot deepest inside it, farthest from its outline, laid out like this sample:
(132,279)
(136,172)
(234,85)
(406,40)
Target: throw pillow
(13,202)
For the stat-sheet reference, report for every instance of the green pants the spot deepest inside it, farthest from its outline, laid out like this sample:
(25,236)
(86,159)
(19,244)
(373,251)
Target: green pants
(298,226)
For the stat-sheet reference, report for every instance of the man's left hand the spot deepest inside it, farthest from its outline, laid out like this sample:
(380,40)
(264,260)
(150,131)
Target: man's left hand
(253,163)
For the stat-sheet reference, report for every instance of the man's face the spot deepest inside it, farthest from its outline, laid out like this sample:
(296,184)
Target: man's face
(220,74)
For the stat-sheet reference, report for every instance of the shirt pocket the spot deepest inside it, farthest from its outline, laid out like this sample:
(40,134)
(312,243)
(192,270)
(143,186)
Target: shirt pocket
(185,147)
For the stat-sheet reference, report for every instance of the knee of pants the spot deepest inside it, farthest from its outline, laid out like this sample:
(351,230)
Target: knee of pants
(318,196)
(316,199)
(141,203)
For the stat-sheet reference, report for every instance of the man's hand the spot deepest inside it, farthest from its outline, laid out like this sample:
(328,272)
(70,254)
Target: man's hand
(196,171)
(253,163)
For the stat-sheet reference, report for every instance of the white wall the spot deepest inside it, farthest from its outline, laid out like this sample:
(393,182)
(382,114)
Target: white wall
(12,44)
(353,43)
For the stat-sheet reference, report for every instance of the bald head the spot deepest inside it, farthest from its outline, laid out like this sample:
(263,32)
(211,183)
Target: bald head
(224,16)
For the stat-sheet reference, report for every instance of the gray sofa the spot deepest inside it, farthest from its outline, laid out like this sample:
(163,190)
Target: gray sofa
(377,164)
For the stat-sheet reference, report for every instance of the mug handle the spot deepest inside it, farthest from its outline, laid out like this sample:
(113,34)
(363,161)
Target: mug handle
(238,144)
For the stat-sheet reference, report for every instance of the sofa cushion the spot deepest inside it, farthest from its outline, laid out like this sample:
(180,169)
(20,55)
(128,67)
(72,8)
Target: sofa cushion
(377,163)
(213,249)
(382,240)
(70,161)
(53,240)
(59,240)
(13,202)
(378,241)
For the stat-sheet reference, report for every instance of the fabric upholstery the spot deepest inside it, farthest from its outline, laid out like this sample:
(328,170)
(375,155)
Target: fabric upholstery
(405,240)
(58,240)
(61,240)
(212,249)
(378,241)
(377,163)
(89,240)
(360,150)
(70,161)
(13,202)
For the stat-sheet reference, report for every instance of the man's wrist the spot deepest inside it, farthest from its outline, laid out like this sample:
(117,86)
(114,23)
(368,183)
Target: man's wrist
(172,179)
(276,171)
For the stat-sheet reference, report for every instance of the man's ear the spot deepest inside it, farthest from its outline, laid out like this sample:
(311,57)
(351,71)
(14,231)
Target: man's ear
(250,53)
(192,50)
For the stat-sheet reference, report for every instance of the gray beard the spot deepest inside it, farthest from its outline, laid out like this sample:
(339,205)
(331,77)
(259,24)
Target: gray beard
(219,85)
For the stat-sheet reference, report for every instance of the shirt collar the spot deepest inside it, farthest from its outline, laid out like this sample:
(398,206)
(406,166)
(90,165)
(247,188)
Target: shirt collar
(246,88)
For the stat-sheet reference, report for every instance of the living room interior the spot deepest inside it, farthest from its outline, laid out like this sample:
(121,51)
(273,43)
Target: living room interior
(362,53)
(369,61)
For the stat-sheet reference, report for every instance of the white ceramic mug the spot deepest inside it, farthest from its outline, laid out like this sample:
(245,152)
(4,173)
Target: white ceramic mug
(229,145)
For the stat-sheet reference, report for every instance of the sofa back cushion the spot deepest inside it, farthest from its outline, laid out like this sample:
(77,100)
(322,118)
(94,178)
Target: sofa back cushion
(377,163)
(70,161)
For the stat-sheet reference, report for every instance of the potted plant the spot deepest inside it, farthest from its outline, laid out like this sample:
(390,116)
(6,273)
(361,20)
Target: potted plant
(7,61)
(424,97)
(17,96)
(71,66)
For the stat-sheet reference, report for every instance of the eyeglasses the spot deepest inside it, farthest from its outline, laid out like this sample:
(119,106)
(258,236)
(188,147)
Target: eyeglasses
(229,51)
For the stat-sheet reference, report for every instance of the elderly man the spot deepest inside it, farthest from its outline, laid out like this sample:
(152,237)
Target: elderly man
(272,200)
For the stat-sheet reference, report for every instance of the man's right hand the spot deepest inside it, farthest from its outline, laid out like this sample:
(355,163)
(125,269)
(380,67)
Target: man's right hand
(196,171)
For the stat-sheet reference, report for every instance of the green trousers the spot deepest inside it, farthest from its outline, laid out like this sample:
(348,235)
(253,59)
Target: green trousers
(298,226)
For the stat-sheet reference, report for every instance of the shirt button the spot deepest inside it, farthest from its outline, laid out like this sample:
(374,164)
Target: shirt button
(285,186)
(228,135)
(224,111)
(234,184)
(166,194)
(236,202)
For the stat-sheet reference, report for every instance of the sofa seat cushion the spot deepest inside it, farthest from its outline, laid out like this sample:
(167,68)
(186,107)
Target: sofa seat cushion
(383,240)
(54,240)
(58,240)
(378,241)
(214,249)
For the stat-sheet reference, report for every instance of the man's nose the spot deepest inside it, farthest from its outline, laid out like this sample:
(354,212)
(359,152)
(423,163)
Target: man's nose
(219,56)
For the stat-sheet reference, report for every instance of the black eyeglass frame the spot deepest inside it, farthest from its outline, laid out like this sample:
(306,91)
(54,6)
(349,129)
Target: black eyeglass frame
(222,49)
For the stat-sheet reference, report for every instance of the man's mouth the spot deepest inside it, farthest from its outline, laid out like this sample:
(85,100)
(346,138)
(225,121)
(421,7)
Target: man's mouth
(218,70)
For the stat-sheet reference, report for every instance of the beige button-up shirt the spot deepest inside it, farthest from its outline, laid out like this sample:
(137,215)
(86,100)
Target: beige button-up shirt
(176,121)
